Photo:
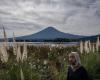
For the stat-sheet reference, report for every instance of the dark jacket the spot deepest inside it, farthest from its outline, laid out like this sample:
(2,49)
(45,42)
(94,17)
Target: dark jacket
(79,74)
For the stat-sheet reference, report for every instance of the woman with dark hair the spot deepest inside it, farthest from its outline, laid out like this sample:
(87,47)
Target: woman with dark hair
(75,70)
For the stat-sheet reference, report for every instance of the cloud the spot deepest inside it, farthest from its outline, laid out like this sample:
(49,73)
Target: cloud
(70,16)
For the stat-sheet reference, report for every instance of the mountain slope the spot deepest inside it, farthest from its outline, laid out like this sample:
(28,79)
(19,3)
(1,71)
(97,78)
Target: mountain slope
(50,33)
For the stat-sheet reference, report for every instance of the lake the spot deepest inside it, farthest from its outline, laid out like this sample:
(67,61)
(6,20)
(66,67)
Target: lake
(64,44)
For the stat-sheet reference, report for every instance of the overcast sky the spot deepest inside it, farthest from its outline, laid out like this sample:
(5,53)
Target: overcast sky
(25,17)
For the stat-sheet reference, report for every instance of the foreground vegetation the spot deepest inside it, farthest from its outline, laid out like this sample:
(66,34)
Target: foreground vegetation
(46,63)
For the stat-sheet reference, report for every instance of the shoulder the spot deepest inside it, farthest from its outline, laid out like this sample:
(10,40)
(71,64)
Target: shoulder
(82,69)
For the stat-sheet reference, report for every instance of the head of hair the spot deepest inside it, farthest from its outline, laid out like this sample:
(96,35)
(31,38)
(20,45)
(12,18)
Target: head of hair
(77,57)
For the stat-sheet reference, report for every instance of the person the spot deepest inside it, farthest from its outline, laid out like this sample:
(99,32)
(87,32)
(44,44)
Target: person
(75,70)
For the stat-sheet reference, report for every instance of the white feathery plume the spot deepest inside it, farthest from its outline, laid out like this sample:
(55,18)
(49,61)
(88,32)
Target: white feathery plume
(81,47)
(3,54)
(86,48)
(14,45)
(97,44)
(18,53)
(90,47)
(93,48)
(24,55)
(50,48)
(21,74)
(0,53)
(5,39)
(45,62)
